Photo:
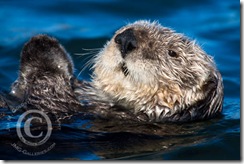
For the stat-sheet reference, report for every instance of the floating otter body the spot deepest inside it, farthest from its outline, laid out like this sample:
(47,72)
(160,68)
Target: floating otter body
(151,70)
(146,72)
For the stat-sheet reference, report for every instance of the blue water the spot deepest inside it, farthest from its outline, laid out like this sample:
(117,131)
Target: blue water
(89,24)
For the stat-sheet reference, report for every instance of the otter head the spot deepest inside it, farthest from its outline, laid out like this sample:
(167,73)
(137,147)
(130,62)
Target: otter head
(45,74)
(150,68)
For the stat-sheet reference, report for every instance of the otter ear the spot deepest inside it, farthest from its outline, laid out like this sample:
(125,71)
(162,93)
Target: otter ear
(210,85)
(185,39)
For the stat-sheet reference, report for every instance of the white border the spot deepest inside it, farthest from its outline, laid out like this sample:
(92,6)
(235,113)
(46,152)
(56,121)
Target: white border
(84,162)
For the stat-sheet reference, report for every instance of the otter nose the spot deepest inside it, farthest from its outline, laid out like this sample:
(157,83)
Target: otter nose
(126,41)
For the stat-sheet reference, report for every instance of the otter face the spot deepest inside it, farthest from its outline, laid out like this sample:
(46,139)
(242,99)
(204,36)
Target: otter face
(148,53)
(146,63)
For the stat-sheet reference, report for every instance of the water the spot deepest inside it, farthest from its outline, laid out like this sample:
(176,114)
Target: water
(89,24)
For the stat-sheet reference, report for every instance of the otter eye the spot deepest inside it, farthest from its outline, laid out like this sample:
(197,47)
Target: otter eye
(172,53)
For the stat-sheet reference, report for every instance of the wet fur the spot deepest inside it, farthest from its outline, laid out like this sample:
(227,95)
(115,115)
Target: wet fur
(45,77)
(182,88)
(146,85)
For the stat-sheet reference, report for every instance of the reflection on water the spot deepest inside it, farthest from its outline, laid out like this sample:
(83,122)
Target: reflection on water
(83,25)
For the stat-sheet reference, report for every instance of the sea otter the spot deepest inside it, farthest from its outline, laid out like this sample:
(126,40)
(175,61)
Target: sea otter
(146,72)
(152,70)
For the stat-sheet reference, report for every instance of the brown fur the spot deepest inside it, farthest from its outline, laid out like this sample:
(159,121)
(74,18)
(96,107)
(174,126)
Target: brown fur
(164,87)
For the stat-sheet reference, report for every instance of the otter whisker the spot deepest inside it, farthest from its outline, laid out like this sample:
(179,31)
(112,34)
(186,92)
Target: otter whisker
(87,64)
(91,49)
(90,52)
(85,54)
